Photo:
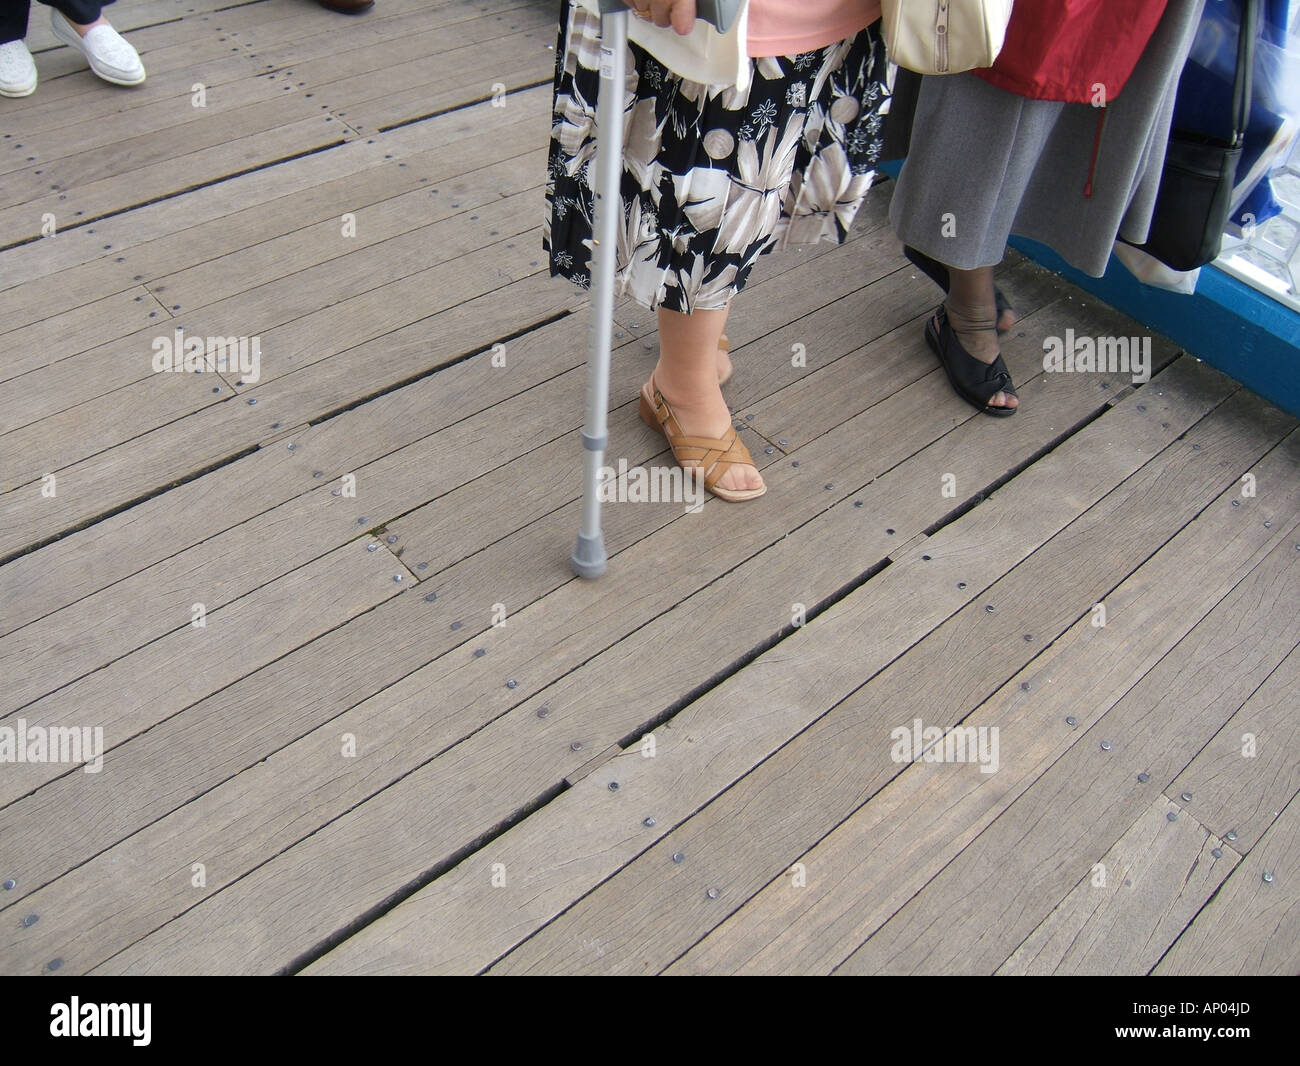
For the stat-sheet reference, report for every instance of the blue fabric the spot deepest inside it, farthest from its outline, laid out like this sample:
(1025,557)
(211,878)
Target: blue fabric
(1204,102)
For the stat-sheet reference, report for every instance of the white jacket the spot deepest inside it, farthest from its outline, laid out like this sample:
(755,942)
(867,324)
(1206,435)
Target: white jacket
(704,55)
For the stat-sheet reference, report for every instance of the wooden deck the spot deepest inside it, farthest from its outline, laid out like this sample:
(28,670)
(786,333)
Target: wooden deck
(405,738)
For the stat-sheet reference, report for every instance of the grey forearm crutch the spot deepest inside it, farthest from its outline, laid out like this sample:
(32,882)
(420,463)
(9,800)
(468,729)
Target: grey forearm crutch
(589,556)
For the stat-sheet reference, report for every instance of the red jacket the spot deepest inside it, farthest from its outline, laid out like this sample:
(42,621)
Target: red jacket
(1064,49)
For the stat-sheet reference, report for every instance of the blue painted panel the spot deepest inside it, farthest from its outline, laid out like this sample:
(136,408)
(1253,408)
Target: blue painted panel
(1230,325)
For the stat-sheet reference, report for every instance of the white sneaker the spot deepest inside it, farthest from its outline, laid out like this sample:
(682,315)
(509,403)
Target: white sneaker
(17,71)
(109,54)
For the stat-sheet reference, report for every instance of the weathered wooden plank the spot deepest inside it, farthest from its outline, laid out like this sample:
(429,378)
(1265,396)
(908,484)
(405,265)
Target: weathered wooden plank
(67,643)
(193,44)
(845,759)
(90,435)
(294,688)
(64,572)
(206,247)
(1252,926)
(281,255)
(142,464)
(240,210)
(299,42)
(419,218)
(124,157)
(237,60)
(145,688)
(867,868)
(1248,772)
(506,209)
(1074,812)
(73,642)
(402,477)
(595,717)
(23,221)
(160,748)
(130,137)
(429,54)
(175,54)
(57,337)
(388,359)
(417,89)
(1133,904)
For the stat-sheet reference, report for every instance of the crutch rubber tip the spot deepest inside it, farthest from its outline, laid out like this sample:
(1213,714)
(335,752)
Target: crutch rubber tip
(589,556)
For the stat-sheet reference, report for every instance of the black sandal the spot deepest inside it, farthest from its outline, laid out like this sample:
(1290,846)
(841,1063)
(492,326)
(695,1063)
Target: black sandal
(974,381)
(938,273)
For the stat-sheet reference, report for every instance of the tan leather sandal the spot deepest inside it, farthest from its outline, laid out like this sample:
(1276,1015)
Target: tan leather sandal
(715,456)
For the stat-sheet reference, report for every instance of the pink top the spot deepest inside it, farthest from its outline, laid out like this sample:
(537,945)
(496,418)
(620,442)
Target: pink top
(789,27)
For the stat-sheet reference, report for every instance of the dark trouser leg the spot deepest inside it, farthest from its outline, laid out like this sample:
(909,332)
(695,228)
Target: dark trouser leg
(82,12)
(13,20)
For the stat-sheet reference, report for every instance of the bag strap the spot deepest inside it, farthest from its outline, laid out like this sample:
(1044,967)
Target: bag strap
(1242,83)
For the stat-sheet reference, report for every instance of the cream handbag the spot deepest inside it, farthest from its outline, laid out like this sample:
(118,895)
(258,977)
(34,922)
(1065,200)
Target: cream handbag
(944,36)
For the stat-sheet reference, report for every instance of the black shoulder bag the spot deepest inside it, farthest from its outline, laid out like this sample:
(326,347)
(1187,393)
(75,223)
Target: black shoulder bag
(1200,171)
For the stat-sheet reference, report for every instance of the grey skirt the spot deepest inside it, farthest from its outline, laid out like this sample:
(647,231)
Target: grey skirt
(984,163)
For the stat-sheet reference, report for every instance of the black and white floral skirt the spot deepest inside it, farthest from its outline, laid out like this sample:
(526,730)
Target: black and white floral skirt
(712,177)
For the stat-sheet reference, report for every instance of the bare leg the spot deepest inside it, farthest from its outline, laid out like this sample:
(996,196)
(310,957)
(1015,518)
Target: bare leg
(687,375)
(973,313)
(724,356)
